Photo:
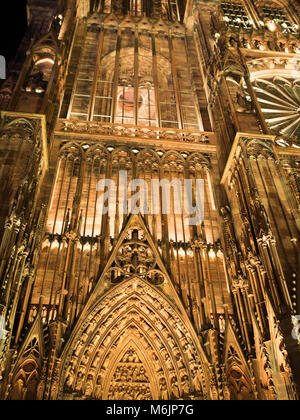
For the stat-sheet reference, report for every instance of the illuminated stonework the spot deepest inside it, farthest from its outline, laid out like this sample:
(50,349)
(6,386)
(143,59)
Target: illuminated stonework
(148,97)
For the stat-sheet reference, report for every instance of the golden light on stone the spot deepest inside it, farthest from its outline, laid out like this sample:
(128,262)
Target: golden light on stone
(110,289)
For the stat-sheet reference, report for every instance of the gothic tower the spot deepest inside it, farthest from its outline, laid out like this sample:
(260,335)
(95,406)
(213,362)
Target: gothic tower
(112,287)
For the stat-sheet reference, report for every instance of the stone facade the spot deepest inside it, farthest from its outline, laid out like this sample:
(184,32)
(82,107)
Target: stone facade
(126,305)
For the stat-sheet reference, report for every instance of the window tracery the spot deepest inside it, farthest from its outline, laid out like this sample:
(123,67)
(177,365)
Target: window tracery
(235,15)
(277,15)
(273,13)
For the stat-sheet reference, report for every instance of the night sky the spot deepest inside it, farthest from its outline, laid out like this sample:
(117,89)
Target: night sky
(13,26)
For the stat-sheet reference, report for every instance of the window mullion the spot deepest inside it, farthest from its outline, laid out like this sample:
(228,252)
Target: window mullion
(96,76)
(136,78)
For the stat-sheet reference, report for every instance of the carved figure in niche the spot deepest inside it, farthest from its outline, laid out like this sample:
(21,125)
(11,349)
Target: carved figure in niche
(91,326)
(171,341)
(89,386)
(239,387)
(196,381)
(70,380)
(98,387)
(175,388)
(79,347)
(185,385)
(168,362)
(106,361)
(160,326)
(163,311)
(163,389)
(156,363)
(96,360)
(142,377)
(179,360)
(111,392)
(189,352)
(85,358)
(106,341)
(79,382)
(96,339)
(19,389)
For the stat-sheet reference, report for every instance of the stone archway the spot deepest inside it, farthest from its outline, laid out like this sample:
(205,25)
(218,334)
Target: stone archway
(136,332)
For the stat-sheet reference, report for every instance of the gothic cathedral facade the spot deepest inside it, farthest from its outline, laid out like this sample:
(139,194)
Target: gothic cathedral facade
(145,305)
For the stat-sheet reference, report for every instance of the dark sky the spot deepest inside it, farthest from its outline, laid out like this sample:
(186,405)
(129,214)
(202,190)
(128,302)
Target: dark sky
(13,26)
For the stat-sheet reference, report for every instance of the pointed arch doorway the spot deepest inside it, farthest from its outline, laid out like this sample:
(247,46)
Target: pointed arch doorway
(132,344)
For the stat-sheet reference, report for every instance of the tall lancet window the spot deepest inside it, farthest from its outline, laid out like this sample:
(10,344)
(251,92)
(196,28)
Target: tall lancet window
(125,104)
(133,7)
(138,103)
(170,10)
(147,111)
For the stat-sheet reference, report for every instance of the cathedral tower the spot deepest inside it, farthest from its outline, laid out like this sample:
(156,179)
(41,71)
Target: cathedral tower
(149,218)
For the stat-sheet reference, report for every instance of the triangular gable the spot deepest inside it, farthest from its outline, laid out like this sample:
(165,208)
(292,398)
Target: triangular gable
(103,287)
(128,22)
(161,25)
(35,332)
(144,24)
(167,287)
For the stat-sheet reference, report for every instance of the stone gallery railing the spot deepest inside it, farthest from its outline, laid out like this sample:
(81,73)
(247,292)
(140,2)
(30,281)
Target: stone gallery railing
(122,131)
